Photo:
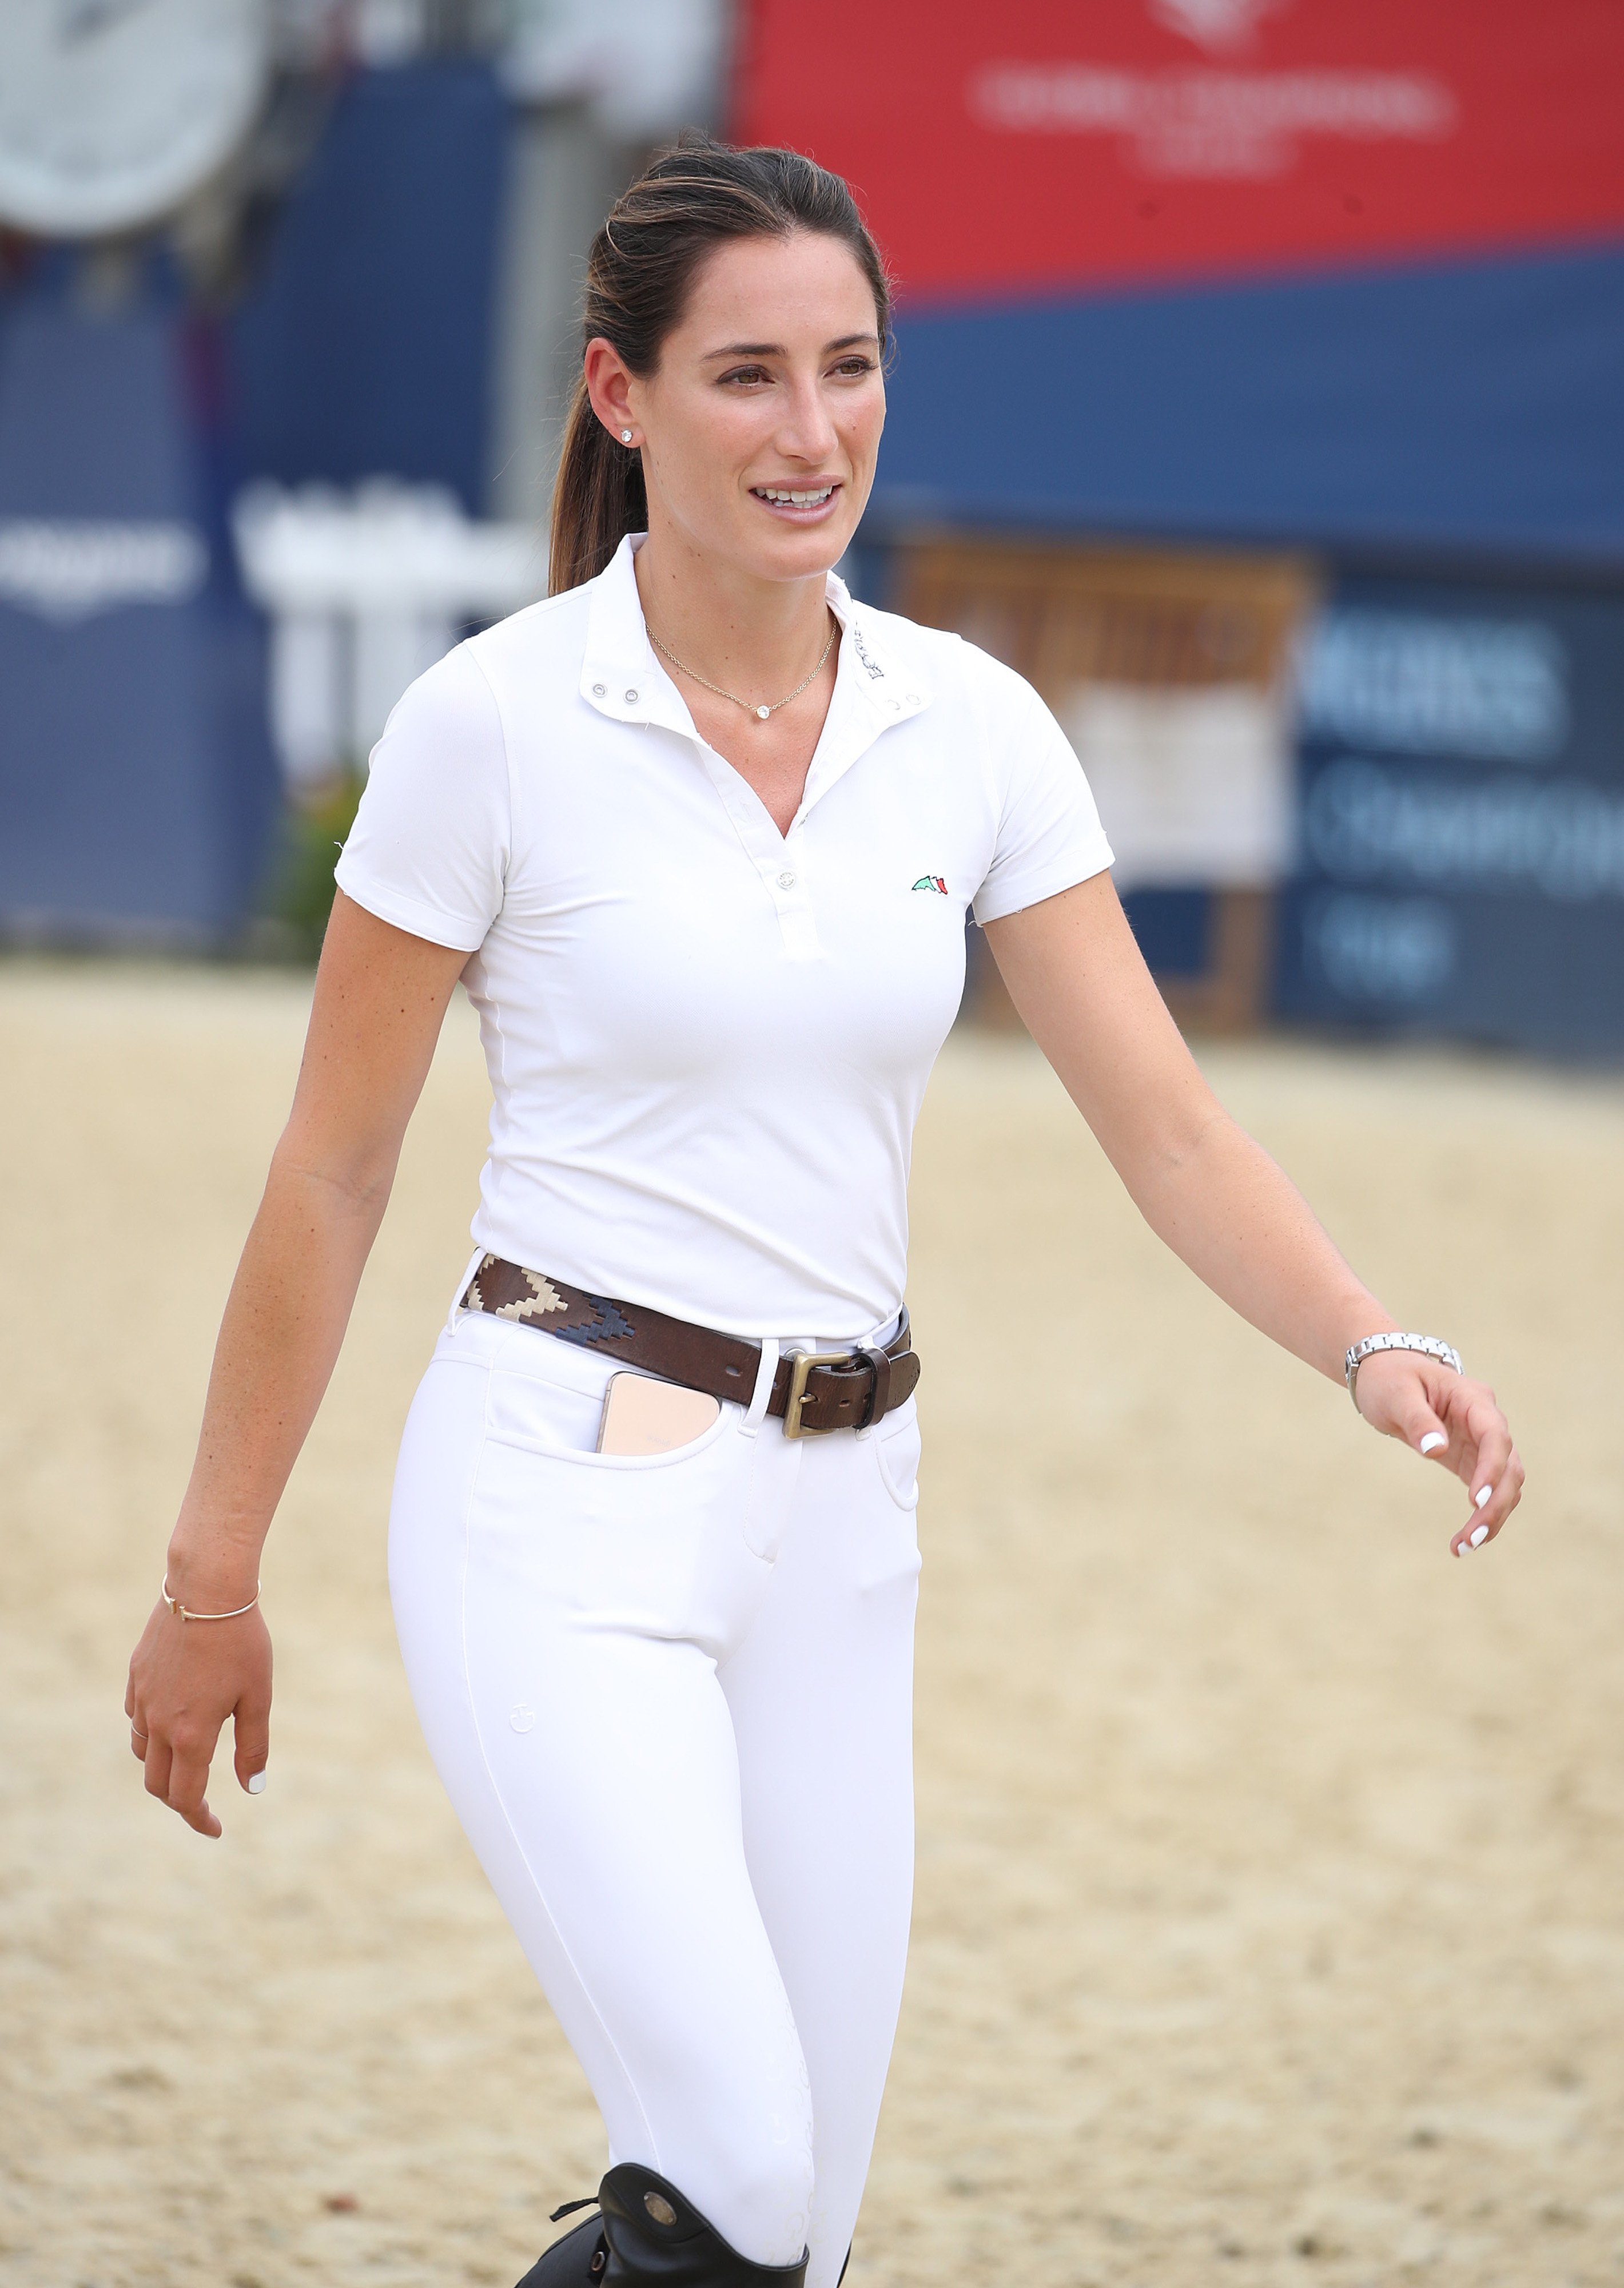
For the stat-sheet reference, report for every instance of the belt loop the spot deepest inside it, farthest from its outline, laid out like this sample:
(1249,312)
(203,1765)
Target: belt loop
(879,1397)
(764,1376)
(474,1261)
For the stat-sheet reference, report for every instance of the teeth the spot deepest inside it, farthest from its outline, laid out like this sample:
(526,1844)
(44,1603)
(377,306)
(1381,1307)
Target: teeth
(800,500)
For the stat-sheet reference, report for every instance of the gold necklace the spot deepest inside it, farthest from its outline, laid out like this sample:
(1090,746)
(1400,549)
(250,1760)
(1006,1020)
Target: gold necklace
(760,714)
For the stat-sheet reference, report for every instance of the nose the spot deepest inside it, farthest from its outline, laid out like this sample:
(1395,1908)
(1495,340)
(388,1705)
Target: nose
(806,432)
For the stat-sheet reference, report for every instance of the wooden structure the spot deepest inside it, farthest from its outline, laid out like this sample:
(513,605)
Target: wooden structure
(1156,619)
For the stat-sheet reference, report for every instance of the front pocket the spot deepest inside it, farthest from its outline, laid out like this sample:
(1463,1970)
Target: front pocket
(640,1545)
(896,1444)
(542,1416)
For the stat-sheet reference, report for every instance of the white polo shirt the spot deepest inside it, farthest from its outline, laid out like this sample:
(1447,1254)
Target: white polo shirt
(709,1041)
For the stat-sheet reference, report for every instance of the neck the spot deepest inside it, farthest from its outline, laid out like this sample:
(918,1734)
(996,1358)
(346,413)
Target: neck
(756,637)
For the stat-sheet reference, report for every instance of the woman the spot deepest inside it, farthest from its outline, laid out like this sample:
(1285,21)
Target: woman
(699,834)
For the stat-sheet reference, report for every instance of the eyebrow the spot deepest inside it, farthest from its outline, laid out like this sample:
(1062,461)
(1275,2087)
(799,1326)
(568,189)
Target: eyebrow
(776,349)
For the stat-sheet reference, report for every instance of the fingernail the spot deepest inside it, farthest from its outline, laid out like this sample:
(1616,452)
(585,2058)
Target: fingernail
(1480,1534)
(1463,1549)
(255,1784)
(1483,1494)
(1433,1440)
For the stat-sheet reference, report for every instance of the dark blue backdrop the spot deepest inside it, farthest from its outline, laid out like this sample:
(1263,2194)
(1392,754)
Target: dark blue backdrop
(136,787)
(364,349)
(1468,406)
(138,795)
(1462,817)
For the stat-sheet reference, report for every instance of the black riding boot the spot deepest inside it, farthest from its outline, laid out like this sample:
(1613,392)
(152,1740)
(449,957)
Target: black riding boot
(648,2236)
(578,2261)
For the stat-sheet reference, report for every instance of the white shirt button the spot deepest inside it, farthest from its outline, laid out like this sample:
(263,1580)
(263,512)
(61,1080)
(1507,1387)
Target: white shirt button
(598,690)
(895,706)
(913,699)
(631,699)
(786,881)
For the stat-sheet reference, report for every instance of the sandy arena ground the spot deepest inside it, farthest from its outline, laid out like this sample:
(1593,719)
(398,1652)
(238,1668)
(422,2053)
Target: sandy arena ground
(1271,1919)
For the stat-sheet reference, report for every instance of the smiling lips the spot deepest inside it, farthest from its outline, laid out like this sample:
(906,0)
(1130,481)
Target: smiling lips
(797,500)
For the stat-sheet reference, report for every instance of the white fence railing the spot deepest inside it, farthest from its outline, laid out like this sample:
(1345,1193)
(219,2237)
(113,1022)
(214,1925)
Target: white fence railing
(364,591)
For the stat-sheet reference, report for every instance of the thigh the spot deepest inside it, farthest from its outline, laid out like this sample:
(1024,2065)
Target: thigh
(821,1694)
(551,1616)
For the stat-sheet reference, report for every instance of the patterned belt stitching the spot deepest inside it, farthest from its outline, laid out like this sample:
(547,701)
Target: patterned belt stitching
(508,1290)
(586,1319)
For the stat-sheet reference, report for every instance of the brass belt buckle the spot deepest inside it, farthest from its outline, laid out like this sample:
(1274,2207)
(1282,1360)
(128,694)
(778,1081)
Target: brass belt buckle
(803,1364)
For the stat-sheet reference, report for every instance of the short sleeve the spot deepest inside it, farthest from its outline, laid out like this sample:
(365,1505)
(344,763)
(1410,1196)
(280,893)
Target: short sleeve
(429,848)
(1049,836)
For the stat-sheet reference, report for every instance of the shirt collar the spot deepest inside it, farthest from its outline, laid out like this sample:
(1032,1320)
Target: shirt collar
(622,677)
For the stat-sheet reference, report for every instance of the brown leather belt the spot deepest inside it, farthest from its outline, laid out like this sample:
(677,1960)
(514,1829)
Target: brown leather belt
(812,1391)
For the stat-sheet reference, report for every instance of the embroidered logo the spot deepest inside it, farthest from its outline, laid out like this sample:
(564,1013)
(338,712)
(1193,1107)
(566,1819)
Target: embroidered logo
(932,882)
(859,647)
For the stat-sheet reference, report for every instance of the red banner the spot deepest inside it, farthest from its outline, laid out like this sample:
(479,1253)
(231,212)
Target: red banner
(1051,144)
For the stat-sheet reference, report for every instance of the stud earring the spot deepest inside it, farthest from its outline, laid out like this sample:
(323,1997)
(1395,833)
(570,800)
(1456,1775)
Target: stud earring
(625,436)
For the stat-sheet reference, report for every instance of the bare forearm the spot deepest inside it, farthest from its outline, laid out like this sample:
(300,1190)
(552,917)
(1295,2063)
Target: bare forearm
(284,1325)
(1230,1212)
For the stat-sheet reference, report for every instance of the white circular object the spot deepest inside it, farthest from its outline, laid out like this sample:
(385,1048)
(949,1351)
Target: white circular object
(112,110)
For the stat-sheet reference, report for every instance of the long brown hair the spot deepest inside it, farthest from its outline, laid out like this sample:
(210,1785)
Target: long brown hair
(689,201)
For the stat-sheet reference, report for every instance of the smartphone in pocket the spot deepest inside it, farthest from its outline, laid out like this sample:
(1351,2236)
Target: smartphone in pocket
(642,1416)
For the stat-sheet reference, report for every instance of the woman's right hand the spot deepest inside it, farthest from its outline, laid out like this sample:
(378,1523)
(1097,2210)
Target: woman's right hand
(379,999)
(185,1679)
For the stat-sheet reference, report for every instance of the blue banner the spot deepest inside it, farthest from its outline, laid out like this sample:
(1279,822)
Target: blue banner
(1469,408)
(1461,866)
(137,792)
(365,348)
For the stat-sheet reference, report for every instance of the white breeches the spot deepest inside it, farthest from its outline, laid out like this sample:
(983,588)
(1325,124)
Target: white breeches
(670,1700)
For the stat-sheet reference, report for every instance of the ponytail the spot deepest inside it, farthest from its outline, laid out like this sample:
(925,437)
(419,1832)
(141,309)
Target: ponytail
(598,497)
(692,199)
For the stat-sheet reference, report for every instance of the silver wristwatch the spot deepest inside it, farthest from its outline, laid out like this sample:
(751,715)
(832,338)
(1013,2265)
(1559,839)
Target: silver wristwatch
(1430,1345)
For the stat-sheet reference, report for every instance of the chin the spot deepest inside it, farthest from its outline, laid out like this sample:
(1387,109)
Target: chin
(799,555)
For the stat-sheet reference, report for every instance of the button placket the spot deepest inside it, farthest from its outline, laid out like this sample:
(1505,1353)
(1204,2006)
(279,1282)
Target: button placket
(776,859)
(797,923)
(783,872)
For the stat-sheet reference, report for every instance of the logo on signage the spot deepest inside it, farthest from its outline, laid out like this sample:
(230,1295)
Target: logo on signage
(1219,26)
(1366,822)
(1392,950)
(1418,684)
(1209,121)
(67,571)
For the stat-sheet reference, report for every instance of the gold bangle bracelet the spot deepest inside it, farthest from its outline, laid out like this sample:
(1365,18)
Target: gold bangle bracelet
(181,1612)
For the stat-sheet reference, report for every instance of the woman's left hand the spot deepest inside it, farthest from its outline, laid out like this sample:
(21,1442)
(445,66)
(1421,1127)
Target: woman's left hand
(1446,1417)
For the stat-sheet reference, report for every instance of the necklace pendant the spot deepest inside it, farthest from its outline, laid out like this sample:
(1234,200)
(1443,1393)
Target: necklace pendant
(764,712)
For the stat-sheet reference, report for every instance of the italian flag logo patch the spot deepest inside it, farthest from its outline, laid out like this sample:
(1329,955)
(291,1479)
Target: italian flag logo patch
(932,882)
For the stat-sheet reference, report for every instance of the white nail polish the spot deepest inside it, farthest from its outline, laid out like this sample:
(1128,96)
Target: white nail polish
(1480,1534)
(1433,1440)
(255,1784)
(1483,1495)
(1463,1549)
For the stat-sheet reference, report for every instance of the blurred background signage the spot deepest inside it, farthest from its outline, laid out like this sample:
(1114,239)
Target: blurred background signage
(1463,815)
(1072,146)
(1259,392)
(1343,278)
